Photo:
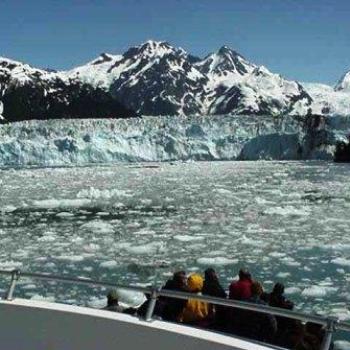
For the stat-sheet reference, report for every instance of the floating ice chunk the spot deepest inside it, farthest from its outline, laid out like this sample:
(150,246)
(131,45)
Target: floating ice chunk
(187,238)
(98,226)
(8,209)
(217,261)
(110,264)
(341,345)
(147,249)
(277,255)
(283,275)
(222,191)
(48,237)
(40,297)
(60,203)
(318,291)
(288,210)
(65,214)
(343,314)
(91,248)
(145,232)
(292,290)
(71,258)
(341,261)
(10,265)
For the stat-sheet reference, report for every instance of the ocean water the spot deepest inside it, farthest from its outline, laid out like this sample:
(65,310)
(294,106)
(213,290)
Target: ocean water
(287,222)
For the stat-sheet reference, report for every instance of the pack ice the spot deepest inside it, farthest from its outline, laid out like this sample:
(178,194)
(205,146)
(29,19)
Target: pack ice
(153,139)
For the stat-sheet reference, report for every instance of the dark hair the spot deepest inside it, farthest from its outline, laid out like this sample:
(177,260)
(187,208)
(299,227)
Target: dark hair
(244,274)
(178,276)
(278,289)
(210,274)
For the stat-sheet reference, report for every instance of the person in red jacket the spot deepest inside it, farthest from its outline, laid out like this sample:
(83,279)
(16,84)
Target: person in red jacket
(241,289)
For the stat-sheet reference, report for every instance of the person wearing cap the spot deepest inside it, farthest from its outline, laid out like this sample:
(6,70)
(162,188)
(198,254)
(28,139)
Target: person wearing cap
(112,302)
(195,312)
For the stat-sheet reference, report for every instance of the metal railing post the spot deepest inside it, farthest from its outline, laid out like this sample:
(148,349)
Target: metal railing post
(151,305)
(14,278)
(330,329)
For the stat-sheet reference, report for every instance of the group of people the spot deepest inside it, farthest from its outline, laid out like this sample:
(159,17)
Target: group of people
(255,325)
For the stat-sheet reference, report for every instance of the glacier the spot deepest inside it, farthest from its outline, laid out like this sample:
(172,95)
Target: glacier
(159,139)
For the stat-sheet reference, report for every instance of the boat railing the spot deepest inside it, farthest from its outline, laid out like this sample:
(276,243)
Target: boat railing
(331,324)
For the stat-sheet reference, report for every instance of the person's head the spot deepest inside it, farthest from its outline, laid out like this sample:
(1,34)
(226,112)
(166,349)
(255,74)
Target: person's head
(257,289)
(244,274)
(278,289)
(210,275)
(112,298)
(179,277)
(195,283)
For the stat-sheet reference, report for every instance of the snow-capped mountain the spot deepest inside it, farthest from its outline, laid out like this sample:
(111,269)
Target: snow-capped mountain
(327,100)
(344,83)
(31,93)
(156,78)
(152,79)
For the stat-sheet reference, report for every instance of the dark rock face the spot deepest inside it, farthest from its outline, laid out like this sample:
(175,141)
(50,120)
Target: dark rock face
(342,153)
(151,79)
(37,95)
(164,87)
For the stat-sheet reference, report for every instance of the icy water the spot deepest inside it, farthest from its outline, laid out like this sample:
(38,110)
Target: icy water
(135,224)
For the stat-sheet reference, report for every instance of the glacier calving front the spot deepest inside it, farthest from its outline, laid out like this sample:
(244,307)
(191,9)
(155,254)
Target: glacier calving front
(64,142)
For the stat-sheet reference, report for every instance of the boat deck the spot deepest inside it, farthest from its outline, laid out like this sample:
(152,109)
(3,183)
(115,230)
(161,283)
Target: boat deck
(29,324)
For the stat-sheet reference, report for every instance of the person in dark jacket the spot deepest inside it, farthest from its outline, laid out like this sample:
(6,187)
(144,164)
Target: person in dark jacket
(172,307)
(213,288)
(168,308)
(112,302)
(241,289)
(257,325)
(278,299)
(212,285)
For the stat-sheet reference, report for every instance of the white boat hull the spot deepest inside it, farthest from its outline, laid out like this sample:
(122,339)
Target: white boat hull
(38,325)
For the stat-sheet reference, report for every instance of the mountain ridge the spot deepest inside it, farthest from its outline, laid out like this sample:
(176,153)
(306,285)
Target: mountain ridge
(155,78)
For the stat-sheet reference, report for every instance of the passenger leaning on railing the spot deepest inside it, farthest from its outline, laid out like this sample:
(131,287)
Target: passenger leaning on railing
(257,325)
(171,307)
(240,290)
(196,312)
(112,302)
(213,288)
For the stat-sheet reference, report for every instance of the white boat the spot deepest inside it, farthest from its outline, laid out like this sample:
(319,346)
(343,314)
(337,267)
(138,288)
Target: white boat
(39,325)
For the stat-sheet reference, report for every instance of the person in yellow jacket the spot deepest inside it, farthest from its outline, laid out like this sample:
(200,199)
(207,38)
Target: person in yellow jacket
(196,312)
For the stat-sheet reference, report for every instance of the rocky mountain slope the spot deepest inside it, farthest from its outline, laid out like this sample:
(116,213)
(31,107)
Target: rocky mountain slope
(30,93)
(156,78)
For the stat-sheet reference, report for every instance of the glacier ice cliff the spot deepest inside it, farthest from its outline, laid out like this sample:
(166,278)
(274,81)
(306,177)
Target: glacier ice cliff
(148,139)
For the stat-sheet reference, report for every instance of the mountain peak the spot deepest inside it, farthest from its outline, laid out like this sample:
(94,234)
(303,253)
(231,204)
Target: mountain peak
(343,83)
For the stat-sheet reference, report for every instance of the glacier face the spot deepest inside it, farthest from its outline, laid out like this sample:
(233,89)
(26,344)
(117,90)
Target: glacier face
(153,139)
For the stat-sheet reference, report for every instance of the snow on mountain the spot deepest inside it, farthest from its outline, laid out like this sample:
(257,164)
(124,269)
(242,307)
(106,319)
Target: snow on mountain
(158,79)
(328,100)
(344,83)
(31,93)
(152,79)
(224,67)
(1,110)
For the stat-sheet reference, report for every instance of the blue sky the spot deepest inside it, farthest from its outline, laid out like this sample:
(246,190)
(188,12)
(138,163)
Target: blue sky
(308,40)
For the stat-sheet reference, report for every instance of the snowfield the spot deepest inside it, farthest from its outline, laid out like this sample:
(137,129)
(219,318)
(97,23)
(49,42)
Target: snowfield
(153,139)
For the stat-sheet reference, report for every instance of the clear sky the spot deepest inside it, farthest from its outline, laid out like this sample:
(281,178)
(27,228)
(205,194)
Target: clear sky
(308,40)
